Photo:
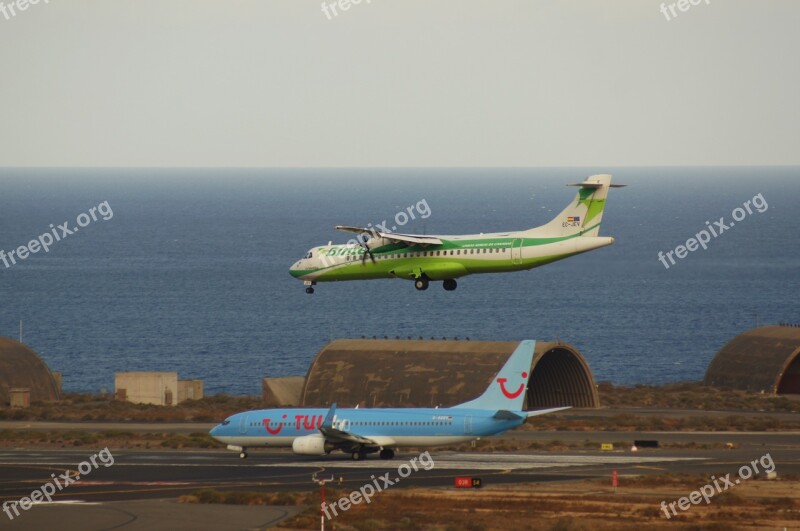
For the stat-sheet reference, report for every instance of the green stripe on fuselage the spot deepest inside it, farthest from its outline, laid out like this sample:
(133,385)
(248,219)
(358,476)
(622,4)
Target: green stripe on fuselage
(436,268)
(393,261)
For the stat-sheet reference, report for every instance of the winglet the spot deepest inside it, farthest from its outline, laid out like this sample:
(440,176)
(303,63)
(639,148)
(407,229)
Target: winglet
(328,422)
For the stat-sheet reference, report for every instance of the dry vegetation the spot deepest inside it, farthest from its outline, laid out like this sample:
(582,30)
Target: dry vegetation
(687,400)
(563,506)
(683,396)
(693,395)
(645,423)
(88,407)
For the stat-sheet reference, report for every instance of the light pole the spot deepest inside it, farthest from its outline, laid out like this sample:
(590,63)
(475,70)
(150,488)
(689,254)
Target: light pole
(321,482)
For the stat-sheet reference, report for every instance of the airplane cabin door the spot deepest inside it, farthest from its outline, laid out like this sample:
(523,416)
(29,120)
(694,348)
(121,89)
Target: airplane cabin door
(516,251)
(468,424)
(243,425)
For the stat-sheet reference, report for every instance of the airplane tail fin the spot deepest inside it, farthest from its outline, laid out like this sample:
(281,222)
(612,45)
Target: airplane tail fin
(507,390)
(584,214)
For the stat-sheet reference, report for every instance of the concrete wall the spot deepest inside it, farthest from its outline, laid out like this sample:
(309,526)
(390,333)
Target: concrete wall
(159,388)
(282,392)
(190,390)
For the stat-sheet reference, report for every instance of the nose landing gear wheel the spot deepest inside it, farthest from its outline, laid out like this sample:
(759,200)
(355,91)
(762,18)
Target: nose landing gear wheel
(358,456)
(421,284)
(309,290)
(242,455)
(450,284)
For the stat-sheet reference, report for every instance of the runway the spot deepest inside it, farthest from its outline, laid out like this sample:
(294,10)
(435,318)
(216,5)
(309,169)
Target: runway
(139,491)
(161,474)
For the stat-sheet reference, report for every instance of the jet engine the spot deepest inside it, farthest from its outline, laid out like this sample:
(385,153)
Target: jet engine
(311,445)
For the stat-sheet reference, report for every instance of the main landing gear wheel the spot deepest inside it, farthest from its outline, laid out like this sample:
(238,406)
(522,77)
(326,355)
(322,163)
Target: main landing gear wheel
(450,284)
(242,455)
(309,290)
(387,453)
(358,456)
(421,284)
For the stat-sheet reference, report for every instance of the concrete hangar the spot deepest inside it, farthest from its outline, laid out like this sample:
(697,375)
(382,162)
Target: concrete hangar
(765,360)
(439,373)
(24,377)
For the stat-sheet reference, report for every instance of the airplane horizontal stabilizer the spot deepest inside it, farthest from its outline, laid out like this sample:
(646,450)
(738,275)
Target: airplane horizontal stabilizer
(545,411)
(504,414)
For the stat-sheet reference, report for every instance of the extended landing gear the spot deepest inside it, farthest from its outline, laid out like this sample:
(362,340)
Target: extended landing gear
(309,288)
(421,284)
(241,449)
(358,455)
(450,284)
(387,453)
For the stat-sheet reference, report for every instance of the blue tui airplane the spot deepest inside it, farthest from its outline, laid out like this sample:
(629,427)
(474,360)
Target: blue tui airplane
(360,431)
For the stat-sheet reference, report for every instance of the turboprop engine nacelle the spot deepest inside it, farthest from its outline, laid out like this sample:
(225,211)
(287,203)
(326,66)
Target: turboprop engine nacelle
(311,445)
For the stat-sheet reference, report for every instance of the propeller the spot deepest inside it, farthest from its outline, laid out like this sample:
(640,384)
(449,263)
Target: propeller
(363,243)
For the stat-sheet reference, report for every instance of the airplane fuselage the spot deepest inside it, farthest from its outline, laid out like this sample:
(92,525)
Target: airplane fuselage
(392,427)
(426,257)
(456,257)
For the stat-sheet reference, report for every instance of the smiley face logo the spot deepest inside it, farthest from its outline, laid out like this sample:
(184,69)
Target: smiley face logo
(272,430)
(506,392)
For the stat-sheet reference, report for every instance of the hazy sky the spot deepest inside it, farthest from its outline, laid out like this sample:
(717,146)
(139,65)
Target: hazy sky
(399,83)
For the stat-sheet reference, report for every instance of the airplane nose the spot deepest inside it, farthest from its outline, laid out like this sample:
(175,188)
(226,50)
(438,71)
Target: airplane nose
(296,270)
(213,431)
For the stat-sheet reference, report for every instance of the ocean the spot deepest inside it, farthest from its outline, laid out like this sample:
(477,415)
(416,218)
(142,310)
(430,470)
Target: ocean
(189,272)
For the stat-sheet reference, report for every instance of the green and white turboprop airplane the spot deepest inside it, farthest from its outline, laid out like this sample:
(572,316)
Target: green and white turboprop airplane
(423,258)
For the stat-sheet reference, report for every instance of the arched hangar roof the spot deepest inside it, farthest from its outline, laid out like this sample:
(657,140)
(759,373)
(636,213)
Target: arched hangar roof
(20,367)
(762,359)
(422,373)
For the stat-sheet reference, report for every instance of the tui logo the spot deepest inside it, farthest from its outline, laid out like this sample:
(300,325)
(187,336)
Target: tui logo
(271,430)
(506,392)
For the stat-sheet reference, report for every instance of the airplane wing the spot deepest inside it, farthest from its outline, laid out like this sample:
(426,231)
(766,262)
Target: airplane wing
(337,436)
(415,239)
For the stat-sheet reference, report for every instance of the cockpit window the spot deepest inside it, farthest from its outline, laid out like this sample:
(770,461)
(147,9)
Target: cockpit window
(226,422)
(310,254)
